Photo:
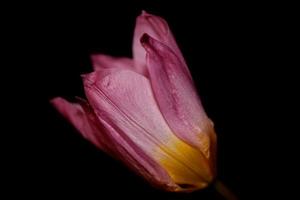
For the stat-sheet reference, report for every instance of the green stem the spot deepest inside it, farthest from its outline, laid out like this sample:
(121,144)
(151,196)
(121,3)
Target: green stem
(224,191)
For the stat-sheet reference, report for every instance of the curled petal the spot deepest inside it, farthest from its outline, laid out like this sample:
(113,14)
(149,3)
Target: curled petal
(158,29)
(176,95)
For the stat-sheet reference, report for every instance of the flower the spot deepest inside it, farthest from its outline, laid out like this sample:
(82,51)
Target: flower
(146,112)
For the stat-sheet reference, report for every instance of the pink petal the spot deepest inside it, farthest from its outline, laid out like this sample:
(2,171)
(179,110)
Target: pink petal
(119,148)
(102,62)
(157,28)
(81,118)
(124,103)
(134,157)
(176,94)
(100,87)
(110,141)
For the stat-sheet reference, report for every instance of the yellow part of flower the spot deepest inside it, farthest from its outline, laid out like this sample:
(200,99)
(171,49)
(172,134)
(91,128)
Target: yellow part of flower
(186,165)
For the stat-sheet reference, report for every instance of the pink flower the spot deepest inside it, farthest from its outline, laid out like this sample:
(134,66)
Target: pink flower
(146,112)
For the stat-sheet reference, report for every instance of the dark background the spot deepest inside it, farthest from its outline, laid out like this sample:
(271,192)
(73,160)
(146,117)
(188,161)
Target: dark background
(230,50)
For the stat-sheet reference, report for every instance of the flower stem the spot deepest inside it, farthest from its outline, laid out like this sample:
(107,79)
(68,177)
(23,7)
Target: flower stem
(222,189)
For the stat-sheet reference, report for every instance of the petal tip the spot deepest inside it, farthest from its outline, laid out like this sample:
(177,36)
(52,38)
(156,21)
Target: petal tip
(93,56)
(56,100)
(143,13)
(89,78)
(83,76)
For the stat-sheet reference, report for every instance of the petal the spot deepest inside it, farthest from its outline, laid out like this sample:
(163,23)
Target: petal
(84,122)
(133,117)
(101,61)
(176,95)
(127,151)
(157,28)
(81,118)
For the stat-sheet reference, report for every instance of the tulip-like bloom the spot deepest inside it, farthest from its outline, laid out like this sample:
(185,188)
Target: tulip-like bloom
(146,112)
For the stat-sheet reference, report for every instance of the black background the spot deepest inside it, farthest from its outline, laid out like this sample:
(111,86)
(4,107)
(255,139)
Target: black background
(229,48)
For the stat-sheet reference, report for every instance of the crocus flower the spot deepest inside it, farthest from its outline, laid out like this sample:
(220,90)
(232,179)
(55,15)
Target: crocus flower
(145,111)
